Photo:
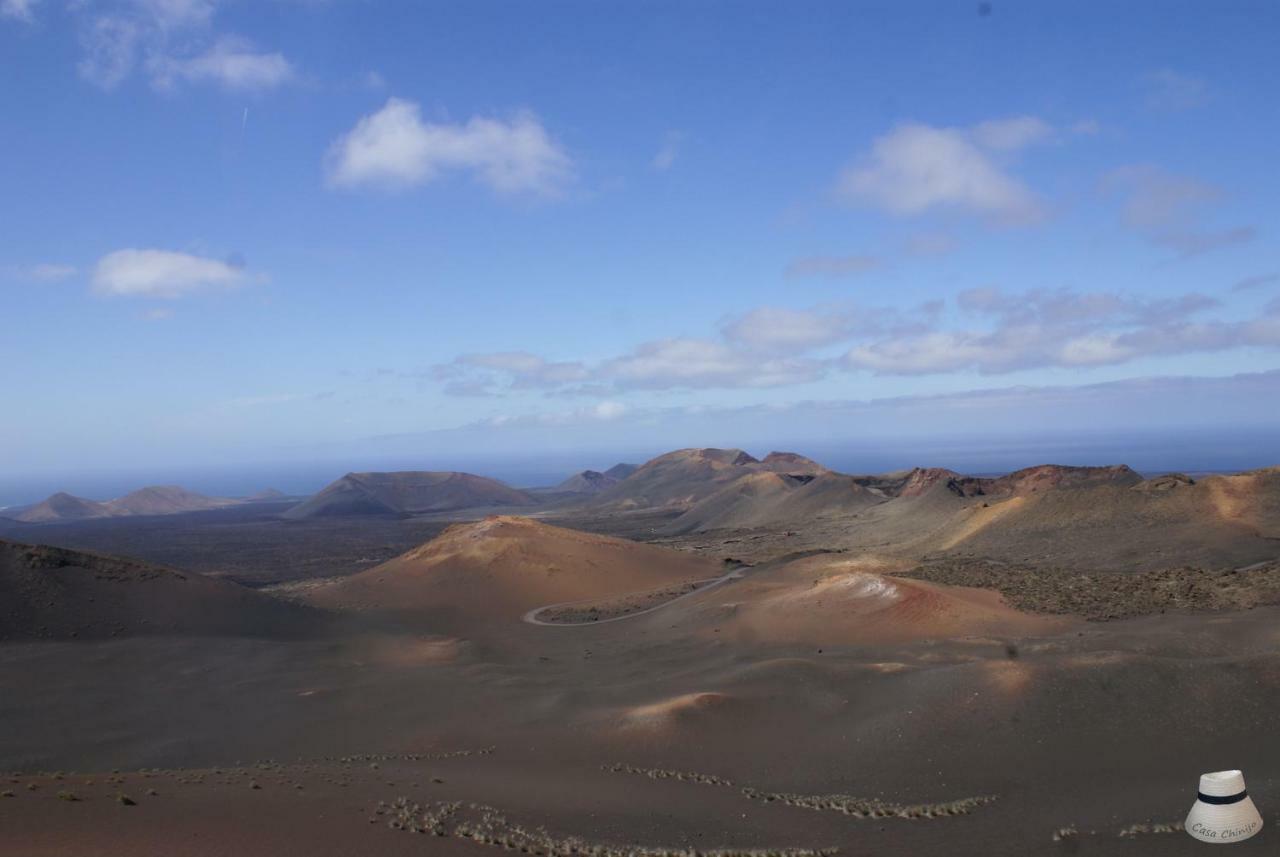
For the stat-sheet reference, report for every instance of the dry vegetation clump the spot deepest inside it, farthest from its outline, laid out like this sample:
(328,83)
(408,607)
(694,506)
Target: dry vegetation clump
(70,797)
(487,826)
(668,774)
(1149,827)
(622,605)
(860,807)
(374,758)
(1106,595)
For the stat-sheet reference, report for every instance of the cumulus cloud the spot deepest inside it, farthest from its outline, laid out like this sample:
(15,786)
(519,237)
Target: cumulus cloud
(832,266)
(1009,135)
(21,10)
(781,329)
(394,148)
(916,168)
(1065,329)
(174,42)
(1172,90)
(230,62)
(986,330)
(110,46)
(476,374)
(688,363)
(1171,210)
(161,274)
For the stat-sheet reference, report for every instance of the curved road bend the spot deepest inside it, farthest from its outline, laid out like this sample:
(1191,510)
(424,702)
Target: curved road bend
(711,583)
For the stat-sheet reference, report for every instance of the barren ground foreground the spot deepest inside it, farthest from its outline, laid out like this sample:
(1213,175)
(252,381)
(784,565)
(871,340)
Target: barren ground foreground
(946,691)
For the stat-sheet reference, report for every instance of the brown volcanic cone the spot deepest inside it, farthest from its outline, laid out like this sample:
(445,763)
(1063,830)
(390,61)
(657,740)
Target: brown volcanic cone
(834,600)
(63,507)
(588,482)
(165,500)
(1110,518)
(791,462)
(763,499)
(680,478)
(503,566)
(48,592)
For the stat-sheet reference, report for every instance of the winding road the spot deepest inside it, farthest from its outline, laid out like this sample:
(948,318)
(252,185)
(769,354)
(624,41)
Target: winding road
(710,583)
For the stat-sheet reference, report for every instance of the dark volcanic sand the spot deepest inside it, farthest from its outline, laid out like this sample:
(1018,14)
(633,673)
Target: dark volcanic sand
(1098,728)
(250,544)
(1101,728)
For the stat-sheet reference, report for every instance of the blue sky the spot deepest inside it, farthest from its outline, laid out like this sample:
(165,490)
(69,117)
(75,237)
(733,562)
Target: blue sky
(237,232)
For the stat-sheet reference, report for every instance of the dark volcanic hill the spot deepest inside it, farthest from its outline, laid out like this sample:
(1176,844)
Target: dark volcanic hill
(48,592)
(587,482)
(165,500)
(792,463)
(775,499)
(622,470)
(63,507)
(679,478)
(686,477)
(407,493)
(153,500)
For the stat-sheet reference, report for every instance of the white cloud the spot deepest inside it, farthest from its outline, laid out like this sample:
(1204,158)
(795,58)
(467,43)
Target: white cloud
(1062,328)
(21,10)
(670,150)
(831,266)
(174,41)
(1009,135)
(110,50)
(987,331)
(609,410)
(161,274)
(700,363)
(1171,90)
(173,14)
(788,330)
(474,374)
(1170,210)
(394,148)
(231,62)
(917,168)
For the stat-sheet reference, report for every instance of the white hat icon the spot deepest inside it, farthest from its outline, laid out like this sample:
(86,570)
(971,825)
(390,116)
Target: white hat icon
(1223,812)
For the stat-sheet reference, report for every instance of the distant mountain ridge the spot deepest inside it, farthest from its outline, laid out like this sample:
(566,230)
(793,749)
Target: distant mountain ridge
(410,492)
(152,500)
(594,481)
